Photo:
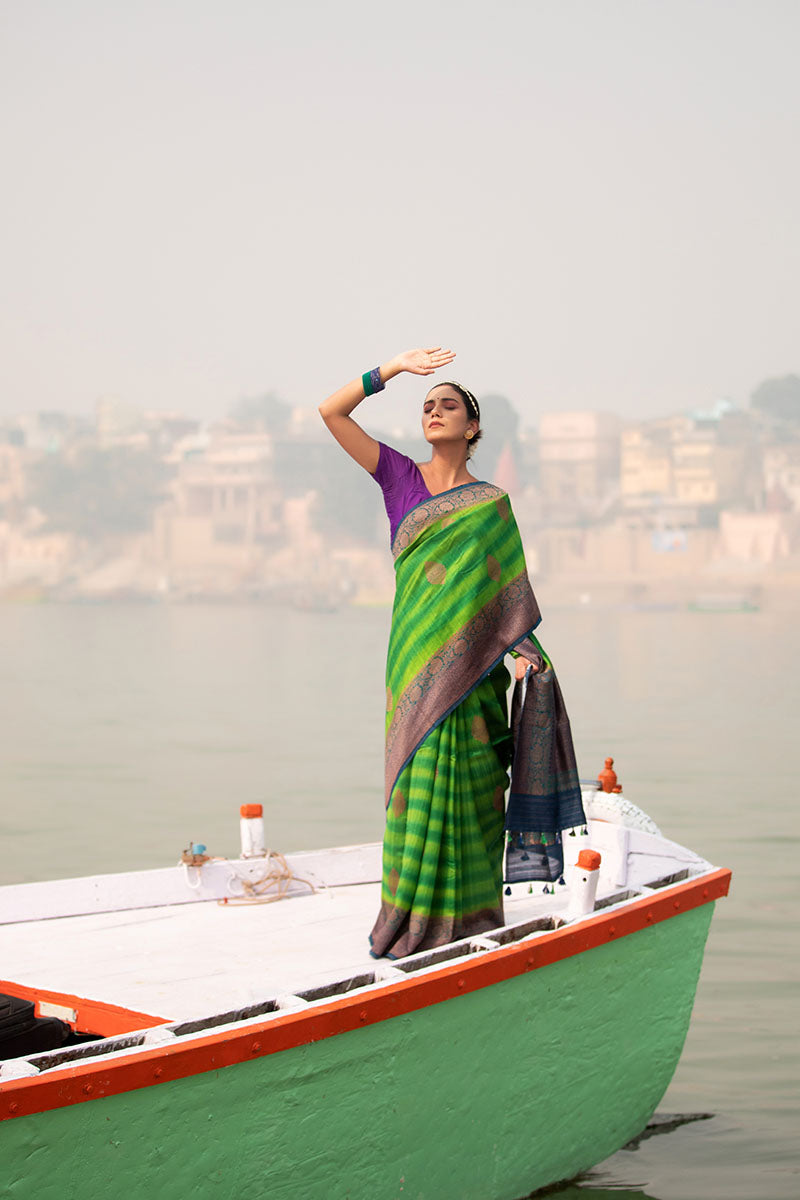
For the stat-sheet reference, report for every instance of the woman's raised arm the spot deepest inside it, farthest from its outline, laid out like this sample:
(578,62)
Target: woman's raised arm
(336,410)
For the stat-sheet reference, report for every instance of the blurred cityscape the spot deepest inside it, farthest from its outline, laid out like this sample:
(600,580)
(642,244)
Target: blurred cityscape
(698,508)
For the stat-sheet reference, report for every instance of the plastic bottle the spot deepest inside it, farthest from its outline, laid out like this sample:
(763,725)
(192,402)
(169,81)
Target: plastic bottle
(251,826)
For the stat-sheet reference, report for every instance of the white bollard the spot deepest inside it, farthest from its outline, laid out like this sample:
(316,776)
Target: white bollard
(251,826)
(583,884)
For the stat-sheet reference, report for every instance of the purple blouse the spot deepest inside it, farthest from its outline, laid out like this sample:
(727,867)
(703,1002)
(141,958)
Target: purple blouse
(403,488)
(401,483)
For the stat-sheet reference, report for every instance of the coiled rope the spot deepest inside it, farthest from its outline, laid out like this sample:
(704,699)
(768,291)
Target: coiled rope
(273,885)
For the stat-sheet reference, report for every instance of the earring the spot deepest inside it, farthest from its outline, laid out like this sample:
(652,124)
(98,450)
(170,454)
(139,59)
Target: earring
(468,434)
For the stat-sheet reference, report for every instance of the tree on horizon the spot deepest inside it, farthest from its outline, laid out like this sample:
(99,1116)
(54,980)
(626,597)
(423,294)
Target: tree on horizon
(778,398)
(266,413)
(500,423)
(98,493)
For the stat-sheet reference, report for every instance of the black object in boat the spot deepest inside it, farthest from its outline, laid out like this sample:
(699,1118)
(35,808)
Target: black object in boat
(23,1033)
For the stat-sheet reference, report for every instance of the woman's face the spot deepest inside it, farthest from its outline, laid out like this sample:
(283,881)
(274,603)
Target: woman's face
(444,416)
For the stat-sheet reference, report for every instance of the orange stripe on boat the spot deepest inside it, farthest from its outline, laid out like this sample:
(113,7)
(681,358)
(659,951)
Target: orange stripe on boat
(75,1083)
(92,1016)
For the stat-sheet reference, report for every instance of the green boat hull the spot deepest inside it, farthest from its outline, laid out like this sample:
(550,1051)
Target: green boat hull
(487,1095)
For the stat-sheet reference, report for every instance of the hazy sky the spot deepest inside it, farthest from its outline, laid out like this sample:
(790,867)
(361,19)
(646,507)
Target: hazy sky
(593,201)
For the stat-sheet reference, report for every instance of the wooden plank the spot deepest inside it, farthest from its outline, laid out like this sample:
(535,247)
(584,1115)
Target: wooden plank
(185,960)
(214,880)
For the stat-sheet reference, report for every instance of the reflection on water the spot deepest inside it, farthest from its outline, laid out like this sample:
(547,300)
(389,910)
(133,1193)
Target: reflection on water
(603,1182)
(573,1191)
(662,1123)
(129,732)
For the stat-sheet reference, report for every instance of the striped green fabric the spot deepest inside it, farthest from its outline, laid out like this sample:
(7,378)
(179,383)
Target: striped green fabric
(443,846)
(462,601)
(442,582)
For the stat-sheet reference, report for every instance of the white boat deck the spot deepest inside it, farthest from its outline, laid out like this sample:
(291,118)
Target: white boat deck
(159,944)
(185,961)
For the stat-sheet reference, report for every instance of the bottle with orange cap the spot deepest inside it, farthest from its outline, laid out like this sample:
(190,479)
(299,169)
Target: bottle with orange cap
(251,826)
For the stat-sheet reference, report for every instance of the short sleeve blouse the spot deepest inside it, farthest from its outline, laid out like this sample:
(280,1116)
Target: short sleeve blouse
(401,482)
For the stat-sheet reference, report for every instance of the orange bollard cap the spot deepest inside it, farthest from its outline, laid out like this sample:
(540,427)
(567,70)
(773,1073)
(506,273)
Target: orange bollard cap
(589,860)
(255,810)
(608,777)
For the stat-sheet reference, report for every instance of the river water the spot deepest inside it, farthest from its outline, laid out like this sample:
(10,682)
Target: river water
(129,731)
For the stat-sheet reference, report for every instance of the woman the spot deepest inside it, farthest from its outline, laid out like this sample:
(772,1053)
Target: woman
(462,601)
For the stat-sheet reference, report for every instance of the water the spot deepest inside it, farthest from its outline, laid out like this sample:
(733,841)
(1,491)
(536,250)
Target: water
(130,731)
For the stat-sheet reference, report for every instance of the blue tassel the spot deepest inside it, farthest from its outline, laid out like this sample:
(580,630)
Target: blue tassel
(562,881)
(585,831)
(524,857)
(572,833)
(546,890)
(508,891)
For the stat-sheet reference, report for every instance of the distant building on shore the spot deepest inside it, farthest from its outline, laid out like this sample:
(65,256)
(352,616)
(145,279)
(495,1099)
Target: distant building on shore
(578,460)
(781,465)
(682,464)
(224,507)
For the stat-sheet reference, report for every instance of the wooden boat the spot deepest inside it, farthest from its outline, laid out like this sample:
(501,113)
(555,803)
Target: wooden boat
(256,1050)
(725,602)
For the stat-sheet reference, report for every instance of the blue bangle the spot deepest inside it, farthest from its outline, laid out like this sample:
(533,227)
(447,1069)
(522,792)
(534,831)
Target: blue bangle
(372,382)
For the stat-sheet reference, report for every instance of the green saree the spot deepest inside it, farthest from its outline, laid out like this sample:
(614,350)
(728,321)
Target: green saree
(463,600)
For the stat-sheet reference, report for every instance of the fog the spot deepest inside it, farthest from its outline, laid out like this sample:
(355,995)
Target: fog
(594,204)
(212,216)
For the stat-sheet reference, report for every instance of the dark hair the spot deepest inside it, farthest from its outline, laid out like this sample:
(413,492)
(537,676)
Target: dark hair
(470,403)
(472,407)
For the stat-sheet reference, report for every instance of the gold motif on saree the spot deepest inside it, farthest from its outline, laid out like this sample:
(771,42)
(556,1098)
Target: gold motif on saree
(435,572)
(480,730)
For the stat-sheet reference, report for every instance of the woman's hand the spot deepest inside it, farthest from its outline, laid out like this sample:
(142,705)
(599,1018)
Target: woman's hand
(521,665)
(336,410)
(423,362)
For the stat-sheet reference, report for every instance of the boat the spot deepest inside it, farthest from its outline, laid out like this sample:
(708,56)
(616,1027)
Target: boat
(224,1031)
(725,602)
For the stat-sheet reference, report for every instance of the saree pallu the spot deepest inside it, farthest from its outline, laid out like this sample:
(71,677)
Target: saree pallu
(462,601)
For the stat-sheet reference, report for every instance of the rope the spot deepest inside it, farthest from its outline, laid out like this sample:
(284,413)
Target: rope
(278,875)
